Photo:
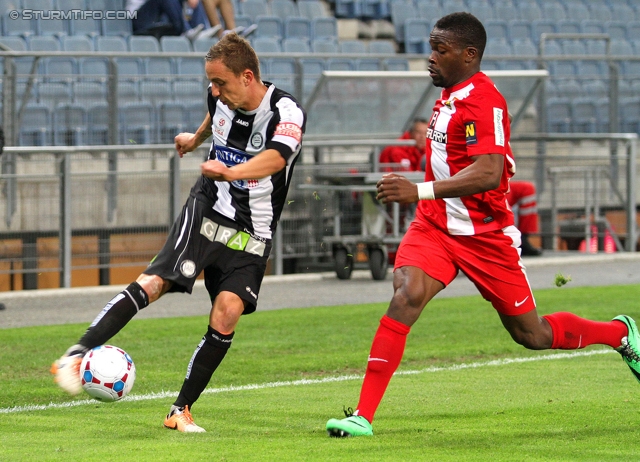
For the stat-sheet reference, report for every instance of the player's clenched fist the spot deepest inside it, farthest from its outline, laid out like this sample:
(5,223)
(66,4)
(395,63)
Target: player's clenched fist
(396,188)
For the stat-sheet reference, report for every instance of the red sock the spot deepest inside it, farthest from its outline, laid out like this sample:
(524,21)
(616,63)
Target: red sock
(571,332)
(386,352)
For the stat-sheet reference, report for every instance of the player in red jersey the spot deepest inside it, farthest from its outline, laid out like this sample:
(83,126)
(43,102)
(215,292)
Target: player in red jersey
(463,224)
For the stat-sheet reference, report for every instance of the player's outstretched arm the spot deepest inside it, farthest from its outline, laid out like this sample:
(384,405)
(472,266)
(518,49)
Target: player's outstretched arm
(187,142)
(264,164)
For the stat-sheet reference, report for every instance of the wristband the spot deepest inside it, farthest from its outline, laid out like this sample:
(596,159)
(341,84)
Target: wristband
(425,191)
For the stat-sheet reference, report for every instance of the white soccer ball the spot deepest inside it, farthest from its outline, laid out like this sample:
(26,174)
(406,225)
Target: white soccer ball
(107,373)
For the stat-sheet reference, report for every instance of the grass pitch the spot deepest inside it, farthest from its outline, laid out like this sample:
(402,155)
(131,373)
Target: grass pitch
(465,390)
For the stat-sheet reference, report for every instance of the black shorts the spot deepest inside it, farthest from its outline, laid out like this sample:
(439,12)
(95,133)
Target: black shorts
(233,260)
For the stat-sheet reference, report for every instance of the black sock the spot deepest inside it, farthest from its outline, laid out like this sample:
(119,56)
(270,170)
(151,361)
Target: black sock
(205,360)
(115,315)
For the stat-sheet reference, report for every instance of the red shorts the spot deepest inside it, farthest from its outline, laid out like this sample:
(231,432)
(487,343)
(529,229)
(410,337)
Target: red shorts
(490,260)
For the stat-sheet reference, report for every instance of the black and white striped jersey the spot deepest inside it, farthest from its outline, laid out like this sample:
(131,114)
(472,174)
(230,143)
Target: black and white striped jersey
(278,123)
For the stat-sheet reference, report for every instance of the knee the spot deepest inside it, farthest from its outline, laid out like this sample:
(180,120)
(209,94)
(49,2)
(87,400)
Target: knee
(153,285)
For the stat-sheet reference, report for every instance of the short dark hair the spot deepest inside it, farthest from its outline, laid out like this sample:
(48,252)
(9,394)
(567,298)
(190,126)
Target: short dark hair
(467,28)
(236,53)
(416,121)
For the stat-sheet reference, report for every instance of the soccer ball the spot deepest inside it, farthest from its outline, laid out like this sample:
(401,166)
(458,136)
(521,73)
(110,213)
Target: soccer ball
(107,373)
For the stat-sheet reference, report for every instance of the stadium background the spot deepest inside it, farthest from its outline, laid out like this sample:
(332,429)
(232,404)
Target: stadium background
(73,83)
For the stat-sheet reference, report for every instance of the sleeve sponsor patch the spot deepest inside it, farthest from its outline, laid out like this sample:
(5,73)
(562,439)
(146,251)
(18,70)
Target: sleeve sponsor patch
(498,116)
(289,129)
(470,133)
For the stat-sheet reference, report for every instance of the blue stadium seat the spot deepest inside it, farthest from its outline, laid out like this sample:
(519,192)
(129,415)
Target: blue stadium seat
(172,119)
(16,43)
(284,9)
(573,47)
(324,46)
(189,91)
(143,44)
(53,93)
(583,115)
(525,47)
(451,6)
(381,47)
(35,129)
(266,45)
(19,26)
(89,92)
(591,26)
(325,118)
(553,10)
(497,29)
(119,27)
(621,47)
(375,9)
(592,69)
(396,64)
(578,11)
(190,67)
(481,9)
(558,115)
(90,27)
(617,30)
(568,26)
(297,27)
(155,92)
(633,30)
(505,11)
(594,87)
(128,90)
(311,71)
(562,69)
(369,64)
(113,43)
(596,47)
(429,9)
(630,115)
(498,47)
(70,125)
(569,88)
(203,45)
(324,28)
(400,12)
(623,12)
(519,29)
(341,64)
(269,26)
(254,8)
(66,5)
(97,69)
(312,9)
(57,28)
(542,26)
(76,43)
(282,73)
(295,45)
(352,46)
(348,8)
(137,123)
(175,44)
(415,31)
(98,124)
(600,11)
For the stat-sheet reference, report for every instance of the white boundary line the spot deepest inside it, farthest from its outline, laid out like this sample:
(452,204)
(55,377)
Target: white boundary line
(295,383)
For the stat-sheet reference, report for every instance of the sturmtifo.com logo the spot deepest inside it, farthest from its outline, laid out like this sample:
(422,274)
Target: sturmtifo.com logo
(57,15)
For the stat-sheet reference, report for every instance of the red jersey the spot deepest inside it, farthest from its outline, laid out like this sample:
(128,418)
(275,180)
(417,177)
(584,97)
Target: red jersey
(469,119)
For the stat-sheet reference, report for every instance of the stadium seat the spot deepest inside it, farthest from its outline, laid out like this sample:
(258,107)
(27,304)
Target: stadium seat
(66,5)
(52,93)
(352,46)
(128,91)
(189,91)
(282,73)
(175,44)
(87,93)
(562,68)
(416,30)
(295,45)
(98,124)
(505,11)
(297,27)
(623,11)
(311,71)
(594,87)
(592,69)
(203,45)
(633,30)
(155,92)
(591,26)
(97,69)
(89,27)
(573,47)
(120,27)
(617,30)
(558,115)
(369,64)
(630,115)
(57,28)
(400,12)
(451,6)
(396,64)
(172,119)
(542,26)
(621,47)
(70,125)
(312,9)
(553,10)
(325,118)
(348,8)
(341,64)
(254,8)
(600,11)
(324,46)
(137,123)
(323,28)
(596,47)
(551,48)
(381,47)
(19,26)
(578,11)
(498,47)
(35,129)
(269,26)
(568,26)
(481,9)
(569,88)
(519,30)
(497,29)
(428,9)
(266,45)
(76,43)
(284,9)
(583,112)
(23,64)
(375,9)
(525,47)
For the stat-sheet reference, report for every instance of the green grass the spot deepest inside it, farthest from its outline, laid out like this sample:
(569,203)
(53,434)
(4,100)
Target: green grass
(581,408)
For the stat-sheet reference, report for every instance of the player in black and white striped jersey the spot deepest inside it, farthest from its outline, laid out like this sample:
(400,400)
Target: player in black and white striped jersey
(226,226)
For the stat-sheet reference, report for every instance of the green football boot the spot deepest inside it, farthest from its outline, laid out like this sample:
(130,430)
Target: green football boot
(353,425)
(630,348)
